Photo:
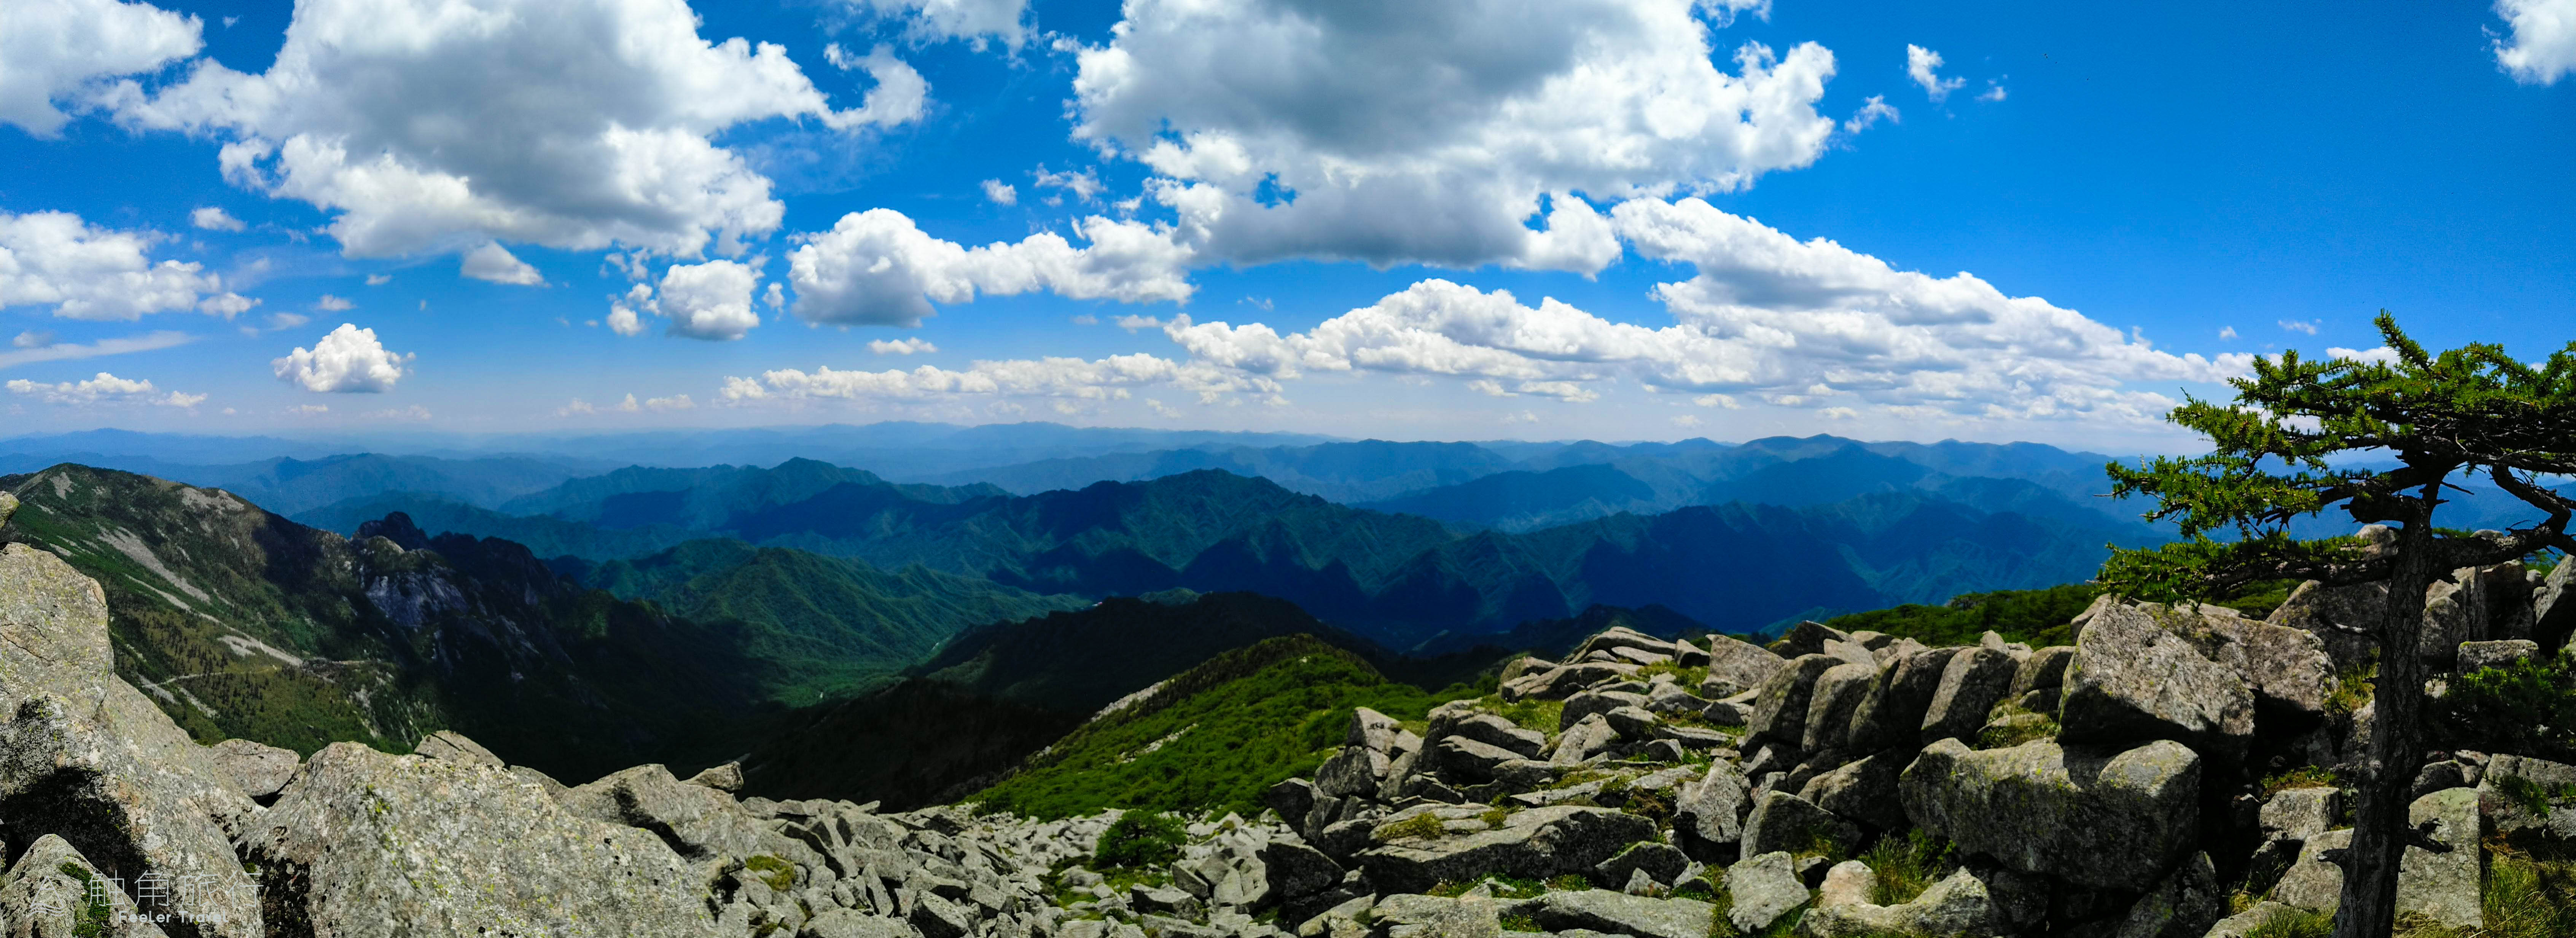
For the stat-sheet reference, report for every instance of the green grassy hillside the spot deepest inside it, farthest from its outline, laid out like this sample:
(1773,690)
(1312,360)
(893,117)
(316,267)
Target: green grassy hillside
(822,626)
(1216,736)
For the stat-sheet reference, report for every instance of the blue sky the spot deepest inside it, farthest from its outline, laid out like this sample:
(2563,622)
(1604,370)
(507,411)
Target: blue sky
(1616,219)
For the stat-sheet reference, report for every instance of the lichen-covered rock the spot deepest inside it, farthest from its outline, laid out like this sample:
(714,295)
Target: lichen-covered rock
(2553,607)
(1807,638)
(2045,669)
(258,770)
(1713,809)
(2301,813)
(1960,904)
(1494,731)
(452,746)
(725,778)
(849,923)
(1780,713)
(49,893)
(1591,702)
(2184,905)
(1864,790)
(1764,888)
(1583,740)
(1891,714)
(1539,843)
(2111,820)
(1971,684)
(701,824)
(1372,729)
(2132,680)
(86,756)
(1602,910)
(1735,667)
(1838,693)
(1358,770)
(1471,760)
(2496,654)
(2312,883)
(1782,822)
(1850,882)
(2447,886)
(2289,673)
(367,844)
(2509,814)
(1663,863)
(2333,614)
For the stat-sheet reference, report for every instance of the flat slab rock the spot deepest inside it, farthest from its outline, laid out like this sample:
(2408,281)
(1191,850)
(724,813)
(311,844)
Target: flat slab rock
(1618,913)
(1539,843)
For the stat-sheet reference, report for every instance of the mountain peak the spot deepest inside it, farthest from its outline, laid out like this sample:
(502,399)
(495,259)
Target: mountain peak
(396,527)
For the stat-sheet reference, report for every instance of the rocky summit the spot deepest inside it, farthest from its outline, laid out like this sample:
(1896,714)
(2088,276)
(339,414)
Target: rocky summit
(2168,774)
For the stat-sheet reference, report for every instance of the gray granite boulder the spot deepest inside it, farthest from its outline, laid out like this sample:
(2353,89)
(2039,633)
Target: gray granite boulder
(452,746)
(2106,819)
(1602,910)
(2446,887)
(1780,712)
(1735,667)
(367,844)
(1807,638)
(1892,713)
(1960,904)
(1764,888)
(258,770)
(1972,683)
(1782,822)
(2183,905)
(1864,790)
(1713,808)
(85,756)
(1838,693)
(2496,654)
(1540,843)
(700,823)
(2312,883)
(2133,680)
(46,895)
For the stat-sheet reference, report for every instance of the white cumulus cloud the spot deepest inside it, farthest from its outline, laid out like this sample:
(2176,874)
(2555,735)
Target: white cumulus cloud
(910,346)
(703,301)
(1924,66)
(1800,324)
(1435,132)
(87,272)
(1001,193)
(214,218)
(438,125)
(347,361)
(496,264)
(54,51)
(2542,49)
(105,388)
(899,93)
(877,268)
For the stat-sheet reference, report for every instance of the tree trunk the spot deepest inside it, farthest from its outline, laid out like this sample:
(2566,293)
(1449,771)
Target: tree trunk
(2369,906)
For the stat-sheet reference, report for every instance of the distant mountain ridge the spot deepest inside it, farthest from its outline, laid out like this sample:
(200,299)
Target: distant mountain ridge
(1397,578)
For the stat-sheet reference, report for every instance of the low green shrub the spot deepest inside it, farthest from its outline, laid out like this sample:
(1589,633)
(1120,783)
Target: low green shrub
(1422,826)
(2526,707)
(778,873)
(1141,839)
(2306,776)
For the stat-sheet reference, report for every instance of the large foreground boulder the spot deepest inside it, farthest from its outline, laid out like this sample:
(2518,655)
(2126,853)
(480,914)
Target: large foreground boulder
(1602,910)
(86,757)
(2132,679)
(1539,843)
(2106,819)
(367,844)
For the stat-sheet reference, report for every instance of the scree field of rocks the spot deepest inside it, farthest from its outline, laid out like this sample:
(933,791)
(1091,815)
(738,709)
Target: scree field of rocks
(2170,773)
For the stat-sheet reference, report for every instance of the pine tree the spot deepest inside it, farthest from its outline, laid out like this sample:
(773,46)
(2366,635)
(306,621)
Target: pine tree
(2467,413)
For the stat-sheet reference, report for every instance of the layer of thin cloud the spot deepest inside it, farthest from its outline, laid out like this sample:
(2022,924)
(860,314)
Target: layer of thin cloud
(878,268)
(1115,377)
(103,389)
(87,272)
(349,360)
(907,346)
(60,51)
(436,125)
(2542,48)
(31,347)
(1436,132)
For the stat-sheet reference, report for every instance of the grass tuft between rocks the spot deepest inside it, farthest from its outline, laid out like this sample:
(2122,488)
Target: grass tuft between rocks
(2292,923)
(1906,866)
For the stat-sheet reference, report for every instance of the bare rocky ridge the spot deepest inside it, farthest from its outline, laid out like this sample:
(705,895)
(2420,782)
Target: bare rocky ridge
(2106,787)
